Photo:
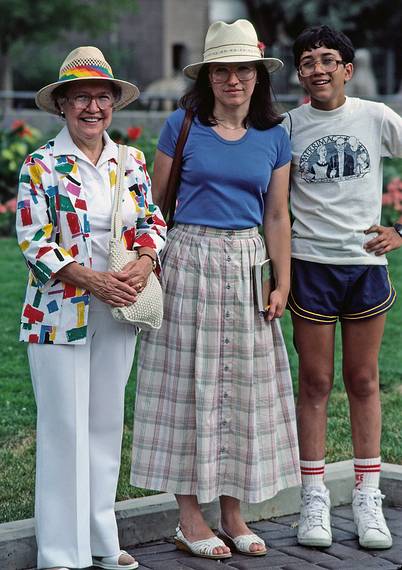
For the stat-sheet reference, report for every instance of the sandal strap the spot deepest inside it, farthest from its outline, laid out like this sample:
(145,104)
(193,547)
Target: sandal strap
(244,541)
(203,546)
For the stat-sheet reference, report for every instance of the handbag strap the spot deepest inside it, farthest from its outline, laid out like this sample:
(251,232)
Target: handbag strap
(118,191)
(169,204)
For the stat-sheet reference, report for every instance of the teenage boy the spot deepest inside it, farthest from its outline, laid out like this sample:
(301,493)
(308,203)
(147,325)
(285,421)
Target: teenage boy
(339,271)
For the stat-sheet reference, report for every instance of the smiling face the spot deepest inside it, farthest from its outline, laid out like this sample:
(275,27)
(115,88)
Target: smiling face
(233,92)
(86,126)
(326,89)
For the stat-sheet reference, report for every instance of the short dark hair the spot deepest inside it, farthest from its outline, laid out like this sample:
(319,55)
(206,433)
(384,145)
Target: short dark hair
(262,115)
(317,36)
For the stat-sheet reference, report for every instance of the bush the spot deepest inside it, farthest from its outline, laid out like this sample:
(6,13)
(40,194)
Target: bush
(15,144)
(392,191)
(136,136)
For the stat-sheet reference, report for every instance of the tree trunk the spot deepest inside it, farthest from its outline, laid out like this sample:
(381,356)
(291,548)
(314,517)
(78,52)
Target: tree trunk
(6,80)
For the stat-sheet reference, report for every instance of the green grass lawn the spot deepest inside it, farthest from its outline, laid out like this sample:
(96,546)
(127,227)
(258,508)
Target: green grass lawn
(17,419)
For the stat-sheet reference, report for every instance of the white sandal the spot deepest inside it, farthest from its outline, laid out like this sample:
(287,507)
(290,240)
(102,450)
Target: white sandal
(201,548)
(243,542)
(112,562)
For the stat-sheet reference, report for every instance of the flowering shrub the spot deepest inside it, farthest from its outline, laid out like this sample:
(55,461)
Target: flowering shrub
(15,144)
(136,136)
(7,217)
(392,194)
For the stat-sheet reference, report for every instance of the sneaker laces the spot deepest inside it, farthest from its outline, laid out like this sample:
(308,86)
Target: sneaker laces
(315,504)
(370,512)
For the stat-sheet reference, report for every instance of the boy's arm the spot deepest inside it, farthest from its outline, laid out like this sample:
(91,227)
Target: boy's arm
(391,134)
(391,141)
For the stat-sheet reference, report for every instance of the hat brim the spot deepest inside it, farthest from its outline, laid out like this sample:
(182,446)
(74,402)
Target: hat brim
(45,101)
(272,64)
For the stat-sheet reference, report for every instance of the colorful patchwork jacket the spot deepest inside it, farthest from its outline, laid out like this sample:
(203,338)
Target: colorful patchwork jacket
(54,228)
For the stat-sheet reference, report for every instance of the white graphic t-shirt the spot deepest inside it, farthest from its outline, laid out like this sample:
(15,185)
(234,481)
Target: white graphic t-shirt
(336,178)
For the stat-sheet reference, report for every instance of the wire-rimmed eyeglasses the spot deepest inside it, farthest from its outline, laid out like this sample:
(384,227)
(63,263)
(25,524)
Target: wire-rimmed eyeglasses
(82,101)
(327,64)
(222,73)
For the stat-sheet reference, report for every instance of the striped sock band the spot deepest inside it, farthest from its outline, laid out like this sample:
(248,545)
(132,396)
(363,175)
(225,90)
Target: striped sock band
(312,473)
(367,472)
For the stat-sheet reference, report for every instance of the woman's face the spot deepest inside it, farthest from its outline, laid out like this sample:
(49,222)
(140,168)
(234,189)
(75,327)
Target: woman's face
(233,92)
(88,124)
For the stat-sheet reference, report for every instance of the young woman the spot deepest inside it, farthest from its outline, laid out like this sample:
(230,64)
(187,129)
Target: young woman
(214,412)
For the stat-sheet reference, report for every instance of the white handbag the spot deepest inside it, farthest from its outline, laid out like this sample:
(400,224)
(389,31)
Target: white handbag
(147,311)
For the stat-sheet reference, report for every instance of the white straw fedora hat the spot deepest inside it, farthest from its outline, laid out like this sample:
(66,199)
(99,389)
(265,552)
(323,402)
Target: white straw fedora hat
(85,63)
(232,43)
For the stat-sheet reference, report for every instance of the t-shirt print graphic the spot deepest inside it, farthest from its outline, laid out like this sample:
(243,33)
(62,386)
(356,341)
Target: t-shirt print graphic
(339,157)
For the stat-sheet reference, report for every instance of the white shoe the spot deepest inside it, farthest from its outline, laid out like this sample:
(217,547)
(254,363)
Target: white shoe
(115,562)
(371,526)
(202,548)
(243,542)
(314,525)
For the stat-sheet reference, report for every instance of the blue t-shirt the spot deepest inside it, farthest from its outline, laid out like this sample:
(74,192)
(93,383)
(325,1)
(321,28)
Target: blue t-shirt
(224,183)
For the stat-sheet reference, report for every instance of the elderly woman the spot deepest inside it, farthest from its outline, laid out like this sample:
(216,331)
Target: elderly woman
(214,410)
(80,357)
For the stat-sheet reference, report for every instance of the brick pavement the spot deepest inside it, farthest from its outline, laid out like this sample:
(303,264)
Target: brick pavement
(284,552)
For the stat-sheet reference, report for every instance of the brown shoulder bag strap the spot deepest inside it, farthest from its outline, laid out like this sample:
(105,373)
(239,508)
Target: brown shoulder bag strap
(169,203)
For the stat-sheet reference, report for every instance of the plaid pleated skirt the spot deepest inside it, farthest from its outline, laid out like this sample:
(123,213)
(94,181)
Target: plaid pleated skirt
(214,411)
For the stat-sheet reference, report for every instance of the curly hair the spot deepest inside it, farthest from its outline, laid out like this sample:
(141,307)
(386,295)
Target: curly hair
(317,36)
(262,115)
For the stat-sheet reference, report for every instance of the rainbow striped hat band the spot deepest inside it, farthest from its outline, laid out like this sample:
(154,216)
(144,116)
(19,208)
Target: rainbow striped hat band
(83,64)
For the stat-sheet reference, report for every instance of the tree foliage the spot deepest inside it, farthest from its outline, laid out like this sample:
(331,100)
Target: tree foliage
(45,20)
(367,22)
(27,22)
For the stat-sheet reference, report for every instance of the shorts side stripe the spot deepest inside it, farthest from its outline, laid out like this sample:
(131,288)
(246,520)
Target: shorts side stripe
(310,312)
(373,312)
(389,300)
(303,314)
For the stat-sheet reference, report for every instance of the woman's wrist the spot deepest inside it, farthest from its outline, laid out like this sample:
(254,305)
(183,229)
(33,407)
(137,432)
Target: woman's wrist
(149,256)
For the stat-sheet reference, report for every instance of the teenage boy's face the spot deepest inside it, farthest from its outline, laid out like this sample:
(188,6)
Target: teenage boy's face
(326,89)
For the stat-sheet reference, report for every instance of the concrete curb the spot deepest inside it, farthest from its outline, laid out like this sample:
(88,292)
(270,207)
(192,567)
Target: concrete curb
(154,518)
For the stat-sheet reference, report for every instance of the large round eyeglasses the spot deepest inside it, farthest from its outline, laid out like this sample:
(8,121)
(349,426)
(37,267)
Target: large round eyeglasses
(243,72)
(327,64)
(82,101)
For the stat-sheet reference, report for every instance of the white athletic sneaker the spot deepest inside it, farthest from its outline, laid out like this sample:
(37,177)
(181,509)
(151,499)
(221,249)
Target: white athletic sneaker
(371,526)
(314,524)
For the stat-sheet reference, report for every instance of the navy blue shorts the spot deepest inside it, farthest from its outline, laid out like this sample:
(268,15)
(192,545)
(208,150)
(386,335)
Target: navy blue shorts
(323,293)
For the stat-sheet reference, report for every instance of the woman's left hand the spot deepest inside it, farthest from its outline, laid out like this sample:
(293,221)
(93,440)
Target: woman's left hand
(277,304)
(136,273)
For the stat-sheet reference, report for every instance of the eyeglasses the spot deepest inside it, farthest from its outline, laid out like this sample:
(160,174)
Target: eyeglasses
(82,101)
(243,73)
(327,64)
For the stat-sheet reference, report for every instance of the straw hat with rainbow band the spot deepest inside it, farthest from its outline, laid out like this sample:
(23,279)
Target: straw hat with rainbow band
(85,63)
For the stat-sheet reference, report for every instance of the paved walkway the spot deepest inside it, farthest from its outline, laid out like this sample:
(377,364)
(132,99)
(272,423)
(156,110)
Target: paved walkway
(284,552)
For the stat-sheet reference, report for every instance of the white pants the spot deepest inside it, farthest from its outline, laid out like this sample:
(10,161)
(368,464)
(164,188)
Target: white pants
(79,392)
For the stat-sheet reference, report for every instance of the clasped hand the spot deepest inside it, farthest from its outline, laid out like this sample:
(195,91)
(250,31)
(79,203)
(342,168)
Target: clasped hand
(121,288)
